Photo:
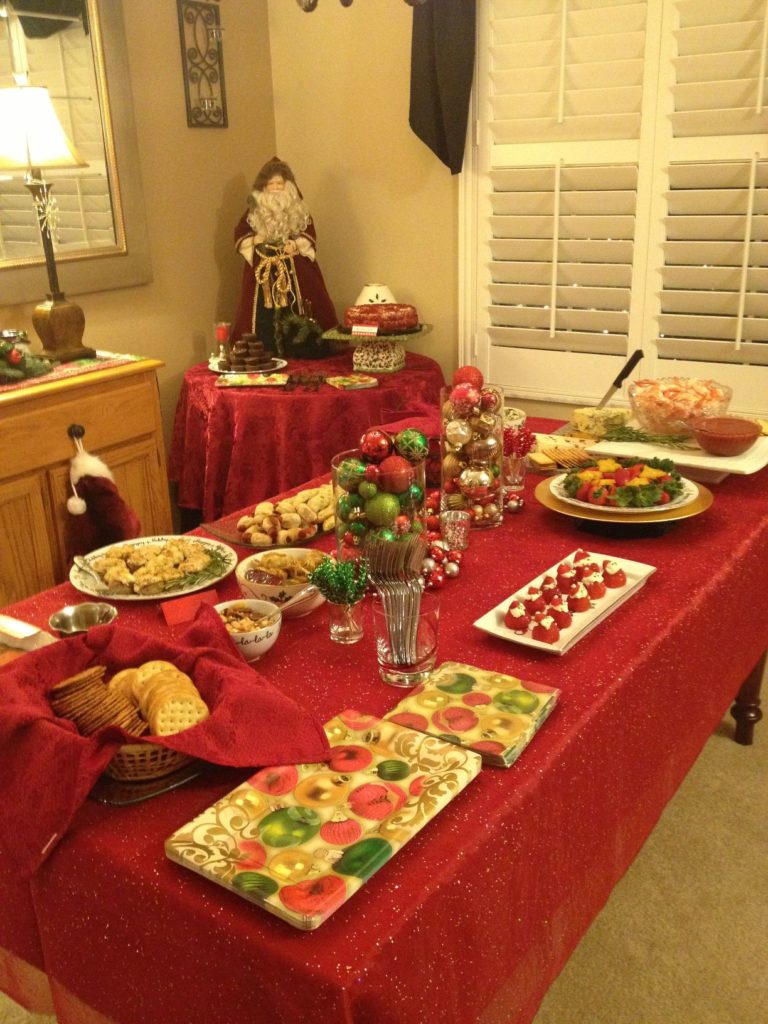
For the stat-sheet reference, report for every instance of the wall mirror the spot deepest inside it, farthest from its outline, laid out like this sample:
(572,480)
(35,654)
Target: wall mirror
(77,49)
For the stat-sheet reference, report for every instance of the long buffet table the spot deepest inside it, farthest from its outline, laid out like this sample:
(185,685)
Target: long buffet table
(474,918)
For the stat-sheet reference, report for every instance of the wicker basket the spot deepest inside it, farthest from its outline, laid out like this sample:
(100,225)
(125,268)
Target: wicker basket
(135,762)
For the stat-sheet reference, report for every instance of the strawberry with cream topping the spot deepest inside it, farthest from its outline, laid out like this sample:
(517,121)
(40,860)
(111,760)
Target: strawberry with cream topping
(546,629)
(578,598)
(613,574)
(517,618)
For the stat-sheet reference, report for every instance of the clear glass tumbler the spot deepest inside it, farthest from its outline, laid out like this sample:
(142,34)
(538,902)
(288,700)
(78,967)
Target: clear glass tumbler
(346,622)
(406,643)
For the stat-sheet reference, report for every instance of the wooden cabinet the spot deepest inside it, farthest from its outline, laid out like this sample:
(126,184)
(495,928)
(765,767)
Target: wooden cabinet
(120,412)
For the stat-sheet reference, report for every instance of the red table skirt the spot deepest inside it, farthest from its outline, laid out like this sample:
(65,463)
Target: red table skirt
(234,447)
(477,915)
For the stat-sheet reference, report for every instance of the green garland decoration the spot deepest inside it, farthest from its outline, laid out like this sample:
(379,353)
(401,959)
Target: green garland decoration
(15,365)
(341,582)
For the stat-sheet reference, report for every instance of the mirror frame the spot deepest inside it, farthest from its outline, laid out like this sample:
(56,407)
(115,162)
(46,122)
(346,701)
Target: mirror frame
(129,262)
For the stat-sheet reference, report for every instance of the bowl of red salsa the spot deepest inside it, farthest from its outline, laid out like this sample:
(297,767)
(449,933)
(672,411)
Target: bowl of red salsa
(725,435)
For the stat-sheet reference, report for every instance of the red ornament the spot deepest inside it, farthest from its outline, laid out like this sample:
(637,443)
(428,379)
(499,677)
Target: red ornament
(375,445)
(432,536)
(436,579)
(371,473)
(489,400)
(454,556)
(402,524)
(14,357)
(437,553)
(464,398)
(433,501)
(433,522)
(349,539)
(395,474)
(468,375)
(450,486)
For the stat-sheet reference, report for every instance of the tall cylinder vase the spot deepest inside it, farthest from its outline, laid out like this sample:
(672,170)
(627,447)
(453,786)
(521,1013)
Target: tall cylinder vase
(472,447)
(383,499)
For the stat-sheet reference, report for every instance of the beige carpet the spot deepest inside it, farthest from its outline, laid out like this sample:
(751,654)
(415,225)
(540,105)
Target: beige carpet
(684,936)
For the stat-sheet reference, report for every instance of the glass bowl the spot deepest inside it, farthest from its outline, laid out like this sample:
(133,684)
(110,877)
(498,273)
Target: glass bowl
(725,435)
(666,405)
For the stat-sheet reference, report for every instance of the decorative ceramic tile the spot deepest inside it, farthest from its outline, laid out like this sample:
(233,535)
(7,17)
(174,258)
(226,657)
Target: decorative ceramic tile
(299,840)
(493,714)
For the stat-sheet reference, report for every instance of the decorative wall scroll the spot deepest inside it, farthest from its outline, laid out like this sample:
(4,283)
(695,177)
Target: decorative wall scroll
(202,58)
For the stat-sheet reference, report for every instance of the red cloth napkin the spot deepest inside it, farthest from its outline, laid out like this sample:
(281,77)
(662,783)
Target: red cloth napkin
(48,768)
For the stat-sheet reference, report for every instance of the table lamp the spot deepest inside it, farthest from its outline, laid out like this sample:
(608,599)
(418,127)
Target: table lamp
(32,138)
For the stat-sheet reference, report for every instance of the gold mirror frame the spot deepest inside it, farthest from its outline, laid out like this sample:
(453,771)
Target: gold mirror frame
(128,262)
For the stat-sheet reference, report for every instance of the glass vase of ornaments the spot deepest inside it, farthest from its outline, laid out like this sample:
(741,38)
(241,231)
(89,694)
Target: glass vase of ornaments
(472,448)
(379,490)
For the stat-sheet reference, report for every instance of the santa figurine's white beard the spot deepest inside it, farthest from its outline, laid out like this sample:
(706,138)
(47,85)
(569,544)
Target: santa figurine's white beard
(278,216)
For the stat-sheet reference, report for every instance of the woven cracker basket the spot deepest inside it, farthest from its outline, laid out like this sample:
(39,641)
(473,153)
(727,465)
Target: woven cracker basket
(135,762)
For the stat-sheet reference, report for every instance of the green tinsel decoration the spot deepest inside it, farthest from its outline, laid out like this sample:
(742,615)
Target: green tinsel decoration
(341,582)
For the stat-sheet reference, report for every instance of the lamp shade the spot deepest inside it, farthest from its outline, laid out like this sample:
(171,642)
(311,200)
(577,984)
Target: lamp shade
(30,132)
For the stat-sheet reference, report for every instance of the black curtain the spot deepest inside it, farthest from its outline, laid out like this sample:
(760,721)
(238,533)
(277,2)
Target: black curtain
(442,64)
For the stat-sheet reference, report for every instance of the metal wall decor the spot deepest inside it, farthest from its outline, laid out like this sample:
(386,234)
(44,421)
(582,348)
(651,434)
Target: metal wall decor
(202,58)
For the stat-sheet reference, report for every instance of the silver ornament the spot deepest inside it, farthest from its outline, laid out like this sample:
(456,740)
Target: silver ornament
(428,565)
(450,568)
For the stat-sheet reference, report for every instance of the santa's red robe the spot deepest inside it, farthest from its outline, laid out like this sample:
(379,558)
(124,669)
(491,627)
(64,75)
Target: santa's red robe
(309,284)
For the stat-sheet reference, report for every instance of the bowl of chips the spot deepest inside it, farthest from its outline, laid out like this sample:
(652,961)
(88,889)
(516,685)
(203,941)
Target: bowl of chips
(253,626)
(277,576)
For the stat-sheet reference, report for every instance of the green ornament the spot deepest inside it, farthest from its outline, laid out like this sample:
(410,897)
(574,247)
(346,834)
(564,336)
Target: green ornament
(349,473)
(255,884)
(384,534)
(367,489)
(411,444)
(348,504)
(358,528)
(416,492)
(382,509)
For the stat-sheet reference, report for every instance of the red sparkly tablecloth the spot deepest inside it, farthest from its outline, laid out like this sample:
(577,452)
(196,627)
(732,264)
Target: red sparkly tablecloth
(476,916)
(233,447)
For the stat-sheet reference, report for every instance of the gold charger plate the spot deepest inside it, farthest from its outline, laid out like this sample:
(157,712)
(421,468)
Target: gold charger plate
(599,514)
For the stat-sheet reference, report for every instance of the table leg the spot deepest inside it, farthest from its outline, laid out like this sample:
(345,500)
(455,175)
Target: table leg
(746,708)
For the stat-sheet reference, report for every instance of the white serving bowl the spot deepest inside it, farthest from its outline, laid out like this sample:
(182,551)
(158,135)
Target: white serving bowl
(252,645)
(278,593)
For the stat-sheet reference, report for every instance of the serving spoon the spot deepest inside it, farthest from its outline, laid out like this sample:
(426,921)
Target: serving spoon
(83,566)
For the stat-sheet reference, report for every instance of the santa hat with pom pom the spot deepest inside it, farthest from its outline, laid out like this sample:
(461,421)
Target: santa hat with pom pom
(98,515)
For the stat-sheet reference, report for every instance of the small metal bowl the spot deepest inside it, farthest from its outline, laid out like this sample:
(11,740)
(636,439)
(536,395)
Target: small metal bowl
(77,618)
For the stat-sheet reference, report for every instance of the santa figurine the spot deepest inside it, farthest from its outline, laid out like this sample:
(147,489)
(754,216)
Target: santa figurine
(276,238)
(98,515)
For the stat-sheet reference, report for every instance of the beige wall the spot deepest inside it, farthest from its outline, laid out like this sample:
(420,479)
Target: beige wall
(384,206)
(195,184)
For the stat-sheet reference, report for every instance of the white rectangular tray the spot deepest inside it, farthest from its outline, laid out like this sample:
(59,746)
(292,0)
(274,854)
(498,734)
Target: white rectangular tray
(583,622)
(750,462)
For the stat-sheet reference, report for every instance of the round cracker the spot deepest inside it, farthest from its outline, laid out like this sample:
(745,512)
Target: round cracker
(151,668)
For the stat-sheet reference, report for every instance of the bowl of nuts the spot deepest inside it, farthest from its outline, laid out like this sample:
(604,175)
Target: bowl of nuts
(253,626)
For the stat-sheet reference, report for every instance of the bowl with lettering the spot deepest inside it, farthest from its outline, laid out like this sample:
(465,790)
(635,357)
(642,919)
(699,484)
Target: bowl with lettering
(253,626)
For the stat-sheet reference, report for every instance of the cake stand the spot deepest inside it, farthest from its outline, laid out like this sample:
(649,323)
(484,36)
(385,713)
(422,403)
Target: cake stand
(377,353)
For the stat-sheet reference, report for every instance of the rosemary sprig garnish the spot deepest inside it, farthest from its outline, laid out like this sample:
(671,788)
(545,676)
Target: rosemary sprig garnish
(633,434)
(214,570)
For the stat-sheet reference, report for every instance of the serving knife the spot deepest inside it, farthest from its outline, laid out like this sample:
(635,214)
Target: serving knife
(629,366)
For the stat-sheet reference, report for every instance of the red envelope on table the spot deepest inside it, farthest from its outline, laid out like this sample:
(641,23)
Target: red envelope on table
(251,724)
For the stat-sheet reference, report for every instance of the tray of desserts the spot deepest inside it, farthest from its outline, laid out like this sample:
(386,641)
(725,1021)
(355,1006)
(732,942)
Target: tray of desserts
(567,601)
(215,367)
